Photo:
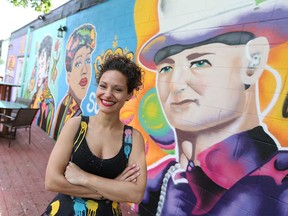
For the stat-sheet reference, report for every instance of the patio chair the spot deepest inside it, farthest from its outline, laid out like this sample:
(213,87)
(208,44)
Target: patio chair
(21,100)
(23,119)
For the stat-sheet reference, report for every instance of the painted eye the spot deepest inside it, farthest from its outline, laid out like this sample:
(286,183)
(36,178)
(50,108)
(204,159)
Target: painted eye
(200,64)
(88,61)
(166,69)
(78,64)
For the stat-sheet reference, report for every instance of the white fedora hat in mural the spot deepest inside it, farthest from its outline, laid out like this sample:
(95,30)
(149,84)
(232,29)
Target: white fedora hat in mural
(186,22)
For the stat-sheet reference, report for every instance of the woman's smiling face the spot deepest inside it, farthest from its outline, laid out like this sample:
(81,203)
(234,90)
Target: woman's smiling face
(201,87)
(112,91)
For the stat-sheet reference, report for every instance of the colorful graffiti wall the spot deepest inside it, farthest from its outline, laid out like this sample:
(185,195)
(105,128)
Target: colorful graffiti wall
(214,107)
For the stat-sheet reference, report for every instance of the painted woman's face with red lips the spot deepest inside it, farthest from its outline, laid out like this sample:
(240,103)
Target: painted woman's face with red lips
(79,78)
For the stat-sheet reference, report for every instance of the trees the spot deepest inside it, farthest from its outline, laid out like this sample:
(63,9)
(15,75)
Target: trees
(38,5)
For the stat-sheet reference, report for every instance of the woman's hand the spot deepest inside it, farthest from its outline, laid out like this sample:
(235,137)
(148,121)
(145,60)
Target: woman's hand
(130,173)
(77,176)
(74,174)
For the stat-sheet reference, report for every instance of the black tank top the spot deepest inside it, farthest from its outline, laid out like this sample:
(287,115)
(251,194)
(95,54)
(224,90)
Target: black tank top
(86,160)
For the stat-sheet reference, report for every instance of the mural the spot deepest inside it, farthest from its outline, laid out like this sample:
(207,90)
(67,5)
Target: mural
(42,97)
(78,66)
(213,109)
(209,60)
(63,86)
(9,76)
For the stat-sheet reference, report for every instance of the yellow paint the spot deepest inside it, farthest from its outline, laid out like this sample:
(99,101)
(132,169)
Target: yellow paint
(276,124)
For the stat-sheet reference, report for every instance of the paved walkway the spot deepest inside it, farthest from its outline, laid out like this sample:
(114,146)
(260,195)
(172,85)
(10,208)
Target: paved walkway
(22,173)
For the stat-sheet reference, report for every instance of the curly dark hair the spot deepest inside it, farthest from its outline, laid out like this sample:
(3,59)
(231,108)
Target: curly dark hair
(127,67)
(46,45)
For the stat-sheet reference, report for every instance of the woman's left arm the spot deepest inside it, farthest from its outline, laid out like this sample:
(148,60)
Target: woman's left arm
(115,189)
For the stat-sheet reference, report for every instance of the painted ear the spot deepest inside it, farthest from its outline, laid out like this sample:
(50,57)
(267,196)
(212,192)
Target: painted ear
(257,52)
(68,77)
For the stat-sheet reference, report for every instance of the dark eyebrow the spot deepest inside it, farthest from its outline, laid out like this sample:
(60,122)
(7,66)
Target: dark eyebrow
(196,55)
(167,60)
(189,58)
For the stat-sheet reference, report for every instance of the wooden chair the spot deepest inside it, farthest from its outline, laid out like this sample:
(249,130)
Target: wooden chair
(23,119)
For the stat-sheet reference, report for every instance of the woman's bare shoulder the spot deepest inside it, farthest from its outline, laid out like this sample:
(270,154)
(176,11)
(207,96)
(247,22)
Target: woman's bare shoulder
(136,132)
(137,136)
(71,125)
(74,120)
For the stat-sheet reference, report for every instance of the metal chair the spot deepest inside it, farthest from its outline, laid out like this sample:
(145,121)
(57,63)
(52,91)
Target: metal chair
(23,119)
(25,101)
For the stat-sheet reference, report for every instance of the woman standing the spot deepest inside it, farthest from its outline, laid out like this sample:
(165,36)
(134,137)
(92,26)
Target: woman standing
(98,161)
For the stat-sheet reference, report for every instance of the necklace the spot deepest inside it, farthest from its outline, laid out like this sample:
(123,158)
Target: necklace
(164,187)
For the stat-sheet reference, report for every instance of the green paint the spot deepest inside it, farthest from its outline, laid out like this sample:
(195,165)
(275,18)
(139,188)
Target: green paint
(257,2)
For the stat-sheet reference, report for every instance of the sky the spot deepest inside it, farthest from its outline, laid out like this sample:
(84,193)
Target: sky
(13,18)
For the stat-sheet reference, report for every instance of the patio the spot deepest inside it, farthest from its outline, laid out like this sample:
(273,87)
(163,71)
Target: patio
(22,173)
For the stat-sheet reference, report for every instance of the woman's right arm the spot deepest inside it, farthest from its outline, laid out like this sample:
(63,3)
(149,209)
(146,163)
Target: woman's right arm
(59,158)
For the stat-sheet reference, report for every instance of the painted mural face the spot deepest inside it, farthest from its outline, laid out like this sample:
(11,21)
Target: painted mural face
(79,77)
(112,91)
(201,87)
(43,65)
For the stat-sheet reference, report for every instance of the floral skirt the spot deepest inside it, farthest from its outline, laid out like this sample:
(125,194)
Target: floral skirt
(64,205)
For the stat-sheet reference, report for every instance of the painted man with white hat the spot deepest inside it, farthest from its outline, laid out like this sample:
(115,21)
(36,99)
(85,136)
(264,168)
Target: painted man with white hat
(209,56)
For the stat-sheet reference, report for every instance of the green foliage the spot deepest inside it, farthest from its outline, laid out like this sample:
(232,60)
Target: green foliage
(1,61)
(38,5)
